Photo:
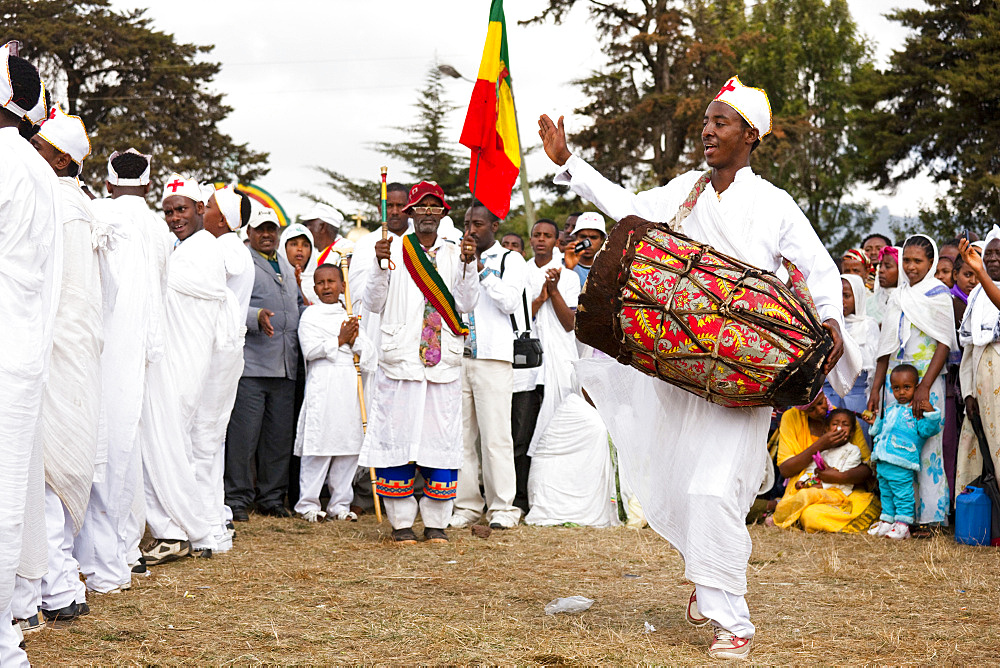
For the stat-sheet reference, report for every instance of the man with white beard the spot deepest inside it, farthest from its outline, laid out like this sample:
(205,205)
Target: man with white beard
(133,339)
(30,273)
(196,323)
(71,403)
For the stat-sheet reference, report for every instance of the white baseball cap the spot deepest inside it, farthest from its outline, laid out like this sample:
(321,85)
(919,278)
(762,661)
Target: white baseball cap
(260,214)
(591,220)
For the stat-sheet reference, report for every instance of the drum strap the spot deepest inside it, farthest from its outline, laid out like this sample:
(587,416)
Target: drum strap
(689,202)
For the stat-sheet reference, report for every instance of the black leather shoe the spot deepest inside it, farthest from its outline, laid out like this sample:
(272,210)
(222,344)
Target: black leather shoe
(241,515)
(273,511)
(67,614)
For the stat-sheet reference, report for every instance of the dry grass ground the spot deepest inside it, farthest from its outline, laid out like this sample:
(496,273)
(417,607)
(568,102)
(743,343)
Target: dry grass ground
(336,593)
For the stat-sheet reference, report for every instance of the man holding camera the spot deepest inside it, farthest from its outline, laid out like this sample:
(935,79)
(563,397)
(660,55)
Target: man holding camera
(590,234)
(488,380)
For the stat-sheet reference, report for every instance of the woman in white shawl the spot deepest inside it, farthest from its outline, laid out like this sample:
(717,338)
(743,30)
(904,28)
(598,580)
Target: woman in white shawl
(865,332)
(300,256)
(887,279)
(919,329)
(980,371)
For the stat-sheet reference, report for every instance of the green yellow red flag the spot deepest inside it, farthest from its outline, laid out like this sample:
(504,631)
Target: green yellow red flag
(490,128)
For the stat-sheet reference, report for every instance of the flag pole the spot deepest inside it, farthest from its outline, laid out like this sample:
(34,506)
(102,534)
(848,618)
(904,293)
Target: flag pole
(529,206)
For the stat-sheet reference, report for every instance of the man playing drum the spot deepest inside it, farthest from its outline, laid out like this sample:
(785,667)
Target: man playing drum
(696,466)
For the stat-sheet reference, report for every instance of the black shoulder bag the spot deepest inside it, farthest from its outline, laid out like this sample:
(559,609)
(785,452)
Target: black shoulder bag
(527,350)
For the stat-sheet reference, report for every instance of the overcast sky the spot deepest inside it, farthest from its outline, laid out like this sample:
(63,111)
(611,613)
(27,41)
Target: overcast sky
(315,81)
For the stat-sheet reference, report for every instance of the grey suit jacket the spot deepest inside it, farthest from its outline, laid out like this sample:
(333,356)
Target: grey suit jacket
(276,356)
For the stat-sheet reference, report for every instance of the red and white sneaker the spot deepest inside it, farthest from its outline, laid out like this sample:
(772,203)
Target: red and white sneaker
(899,531)
(726,645)
(692,615)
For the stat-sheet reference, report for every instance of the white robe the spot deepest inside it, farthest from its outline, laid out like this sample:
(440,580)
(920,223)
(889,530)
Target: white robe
(558,346)
(358,273)
(695,465)
(416,411)
(211,417)
(571,477)
(71,403)
(133,339)
(330,419)
(197,323)
(30,276)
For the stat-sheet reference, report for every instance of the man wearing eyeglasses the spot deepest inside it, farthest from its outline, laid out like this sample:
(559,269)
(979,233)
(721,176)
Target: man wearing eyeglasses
(416,413)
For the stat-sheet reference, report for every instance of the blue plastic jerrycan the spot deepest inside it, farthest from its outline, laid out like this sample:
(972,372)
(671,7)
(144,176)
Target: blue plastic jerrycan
(972,517)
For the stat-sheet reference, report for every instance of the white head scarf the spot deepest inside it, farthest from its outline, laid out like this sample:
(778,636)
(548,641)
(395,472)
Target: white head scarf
(292,231)
(230,204)
(981,324)
(860,326)
(300,230)
(860,297)
(880,297)
(928,305)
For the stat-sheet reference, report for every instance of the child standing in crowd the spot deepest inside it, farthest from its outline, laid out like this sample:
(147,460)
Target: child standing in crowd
(864,331)
(964,281)
(887,281)
(919,329)
(329,433)
(945,271)
(899,437)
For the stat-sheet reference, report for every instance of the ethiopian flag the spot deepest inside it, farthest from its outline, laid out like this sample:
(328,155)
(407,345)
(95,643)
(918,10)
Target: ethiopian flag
(490,126)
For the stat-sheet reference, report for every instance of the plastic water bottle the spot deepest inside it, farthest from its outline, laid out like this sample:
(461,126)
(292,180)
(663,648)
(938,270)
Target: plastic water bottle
(972,517)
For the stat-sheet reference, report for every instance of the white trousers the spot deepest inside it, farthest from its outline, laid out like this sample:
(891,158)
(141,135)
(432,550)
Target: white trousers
(11,656)
(487,443)
(116,511)
(726,610)
(402,512)
(100,547)
(161,525)
(62,585)
(338,474)
(208,436)
(27,597)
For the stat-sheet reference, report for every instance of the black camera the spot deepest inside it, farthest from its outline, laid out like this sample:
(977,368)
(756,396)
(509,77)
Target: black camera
(581,245)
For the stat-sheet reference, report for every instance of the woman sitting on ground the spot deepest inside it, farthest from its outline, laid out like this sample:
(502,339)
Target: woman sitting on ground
(803,433)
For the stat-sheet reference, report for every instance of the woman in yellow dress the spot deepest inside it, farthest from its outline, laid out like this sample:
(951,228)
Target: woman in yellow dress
(803,433)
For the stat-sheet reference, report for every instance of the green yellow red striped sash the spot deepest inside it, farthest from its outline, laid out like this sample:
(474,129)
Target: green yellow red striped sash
(431,286)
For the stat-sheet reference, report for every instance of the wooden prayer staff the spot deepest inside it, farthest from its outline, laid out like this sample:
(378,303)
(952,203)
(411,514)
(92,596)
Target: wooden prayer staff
(357,367)
(385,264)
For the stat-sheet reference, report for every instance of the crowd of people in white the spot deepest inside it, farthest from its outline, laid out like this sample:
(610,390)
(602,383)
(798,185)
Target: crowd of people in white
(171,372)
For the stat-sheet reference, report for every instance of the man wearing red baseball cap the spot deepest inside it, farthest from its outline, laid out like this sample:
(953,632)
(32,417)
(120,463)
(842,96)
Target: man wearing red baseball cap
(416,412)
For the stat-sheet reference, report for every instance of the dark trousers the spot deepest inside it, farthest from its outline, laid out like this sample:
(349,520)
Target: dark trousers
(260,436)
(524,407)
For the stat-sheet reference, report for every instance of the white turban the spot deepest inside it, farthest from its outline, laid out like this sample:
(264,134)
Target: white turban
(116,180)
(31,110)
(183,186)
(66,134)
(230,204)
(750,103)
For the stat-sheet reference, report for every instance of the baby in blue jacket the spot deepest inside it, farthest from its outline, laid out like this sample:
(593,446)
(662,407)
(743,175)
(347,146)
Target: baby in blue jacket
(898,438)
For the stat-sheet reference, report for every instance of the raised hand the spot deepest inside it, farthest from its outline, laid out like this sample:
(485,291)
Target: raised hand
(554,139)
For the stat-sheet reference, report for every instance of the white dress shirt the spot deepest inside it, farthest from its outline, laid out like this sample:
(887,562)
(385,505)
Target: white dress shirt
(491,335)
